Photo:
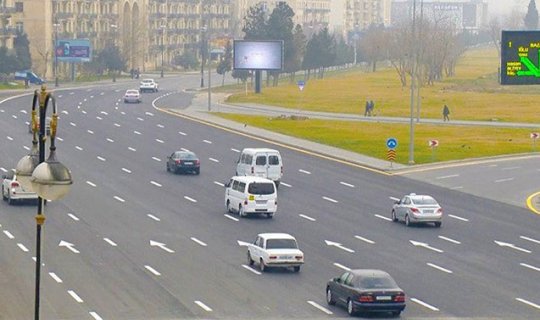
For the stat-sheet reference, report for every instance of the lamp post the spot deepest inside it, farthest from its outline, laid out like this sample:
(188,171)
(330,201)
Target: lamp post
(162,28)
(50,179)
(203,53)
(55,25)
(114,27)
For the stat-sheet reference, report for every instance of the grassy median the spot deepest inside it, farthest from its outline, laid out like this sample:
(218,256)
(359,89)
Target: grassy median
(472,94)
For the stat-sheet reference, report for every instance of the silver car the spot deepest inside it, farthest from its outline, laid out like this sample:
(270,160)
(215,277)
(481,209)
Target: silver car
(12,190)
(413,208)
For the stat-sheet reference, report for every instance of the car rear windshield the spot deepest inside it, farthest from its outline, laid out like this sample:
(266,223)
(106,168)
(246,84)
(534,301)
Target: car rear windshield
(188,156)
(281,244)
(273,160)
(377,282)
(261,188)
(424,200)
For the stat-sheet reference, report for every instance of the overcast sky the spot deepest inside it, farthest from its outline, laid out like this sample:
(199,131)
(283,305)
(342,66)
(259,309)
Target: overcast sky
(499,7)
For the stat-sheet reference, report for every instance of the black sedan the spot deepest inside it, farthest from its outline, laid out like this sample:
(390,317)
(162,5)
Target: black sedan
(183,161)
(365,290)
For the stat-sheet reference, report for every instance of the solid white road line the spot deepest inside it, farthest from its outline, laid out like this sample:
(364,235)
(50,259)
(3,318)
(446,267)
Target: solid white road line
(8,234)
(78,148)
(530,239)
(251,269)
(534,305)
(101,158)
(203,306)
(304,171)
(458,218)
(504,180)
(109,241)
(365,240)
(119,199)
(72,216)
(285,184)
(423,304)
(341,266)
(95,315)
(151,216)
(55,277)
(213,160)
(231,217)
(75,296)
(190,199)
(156,184)
(448,177)
(318,306)
(347,184)
(157,159)
(154,271)
(126,170)
(219,183)
(529,266)
(307,217)
(383,217)
(198,241)
(235,150)
(449,239)
(330,199)
(91,184)
(439,267)
(22,247)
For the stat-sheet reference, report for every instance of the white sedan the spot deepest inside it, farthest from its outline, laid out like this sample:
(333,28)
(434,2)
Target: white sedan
(148,85)
(132,95)
(275,250)
(12,189)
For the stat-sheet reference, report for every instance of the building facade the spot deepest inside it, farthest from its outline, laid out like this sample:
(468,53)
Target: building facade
(145,30)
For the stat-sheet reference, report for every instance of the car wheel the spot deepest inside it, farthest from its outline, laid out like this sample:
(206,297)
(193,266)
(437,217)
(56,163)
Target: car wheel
(408,222)
(329,297)
(438,224)
(269,215)
(249,260)
(261,265)
(10,200)
(350,307)
(198,171)
(241,211)
(394,218)
(296,268)
(228,205)
(3,194)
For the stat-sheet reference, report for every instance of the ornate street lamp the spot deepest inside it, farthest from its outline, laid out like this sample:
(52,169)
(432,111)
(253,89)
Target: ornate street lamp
(50,179)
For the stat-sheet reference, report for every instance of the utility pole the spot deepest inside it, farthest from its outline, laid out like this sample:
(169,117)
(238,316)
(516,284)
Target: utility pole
(413,75)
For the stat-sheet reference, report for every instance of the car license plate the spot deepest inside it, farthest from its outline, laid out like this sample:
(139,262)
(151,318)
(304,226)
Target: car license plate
(428,211)
(188,162)
(260,201)
(384,298)
(286,257)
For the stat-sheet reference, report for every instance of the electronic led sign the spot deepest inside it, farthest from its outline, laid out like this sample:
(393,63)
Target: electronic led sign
(520,57)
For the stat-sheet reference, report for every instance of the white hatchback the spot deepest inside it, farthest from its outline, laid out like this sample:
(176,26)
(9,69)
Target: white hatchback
(148,85)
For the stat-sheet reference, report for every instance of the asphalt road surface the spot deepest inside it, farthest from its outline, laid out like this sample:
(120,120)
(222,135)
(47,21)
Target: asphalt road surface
(132,241)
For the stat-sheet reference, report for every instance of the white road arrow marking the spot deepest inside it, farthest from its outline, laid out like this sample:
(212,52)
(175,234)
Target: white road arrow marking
(424,245)
(318,306)
(365,240)
(203,306)
(512,246)
(68,245)
(338,245)
(242,243)
(161,245)
(530,239)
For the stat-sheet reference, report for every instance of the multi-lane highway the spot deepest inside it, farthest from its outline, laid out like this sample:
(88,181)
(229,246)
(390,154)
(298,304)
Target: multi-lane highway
(132,241)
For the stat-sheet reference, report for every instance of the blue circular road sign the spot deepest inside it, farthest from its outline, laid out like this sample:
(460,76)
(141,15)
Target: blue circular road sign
(391,143)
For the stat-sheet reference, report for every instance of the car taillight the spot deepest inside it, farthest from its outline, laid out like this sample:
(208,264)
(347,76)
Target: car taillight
(415,210)
(439,210)
(197,162)
(252,170)
(14,184)
(178,161)
(298,257)
(365,298)
(399,298)
(272,257)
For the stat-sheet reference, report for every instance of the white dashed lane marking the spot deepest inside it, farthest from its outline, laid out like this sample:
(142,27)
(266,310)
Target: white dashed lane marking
(153,217)
(109,241)
(126,170)
(156,184)
(458,218)
(304,171)
(75,296)
(342,266)
(449,240)
(330,199)
(307,217)
(439,267)
(228,216)
(8,234)
(203,306)
(318,306)
(22,247)
(91,184)
(251,269)
(55,277)
(198,241)
(154,271)
(423,304)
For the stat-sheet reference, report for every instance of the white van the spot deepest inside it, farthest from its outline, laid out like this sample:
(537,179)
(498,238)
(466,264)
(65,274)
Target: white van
(260,162)
(249,195)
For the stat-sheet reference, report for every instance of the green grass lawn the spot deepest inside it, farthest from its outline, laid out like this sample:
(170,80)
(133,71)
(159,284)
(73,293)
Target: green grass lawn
(472,94)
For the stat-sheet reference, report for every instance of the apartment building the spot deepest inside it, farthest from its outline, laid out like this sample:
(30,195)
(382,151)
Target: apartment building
(144,30)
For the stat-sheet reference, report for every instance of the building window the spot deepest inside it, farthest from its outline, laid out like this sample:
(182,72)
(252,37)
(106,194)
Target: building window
(20,27)
(19,7)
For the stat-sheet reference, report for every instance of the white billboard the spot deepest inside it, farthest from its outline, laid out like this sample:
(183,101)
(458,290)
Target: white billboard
(258,55)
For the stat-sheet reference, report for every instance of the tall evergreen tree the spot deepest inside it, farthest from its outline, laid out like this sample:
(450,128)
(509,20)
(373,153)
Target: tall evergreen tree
(531,18)
(225,65)
(22,51)
(255,25)
(280,27)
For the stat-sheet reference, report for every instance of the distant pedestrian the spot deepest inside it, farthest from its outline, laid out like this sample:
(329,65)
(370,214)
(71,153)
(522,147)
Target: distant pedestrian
(446,113)
(371,107)
(366,112)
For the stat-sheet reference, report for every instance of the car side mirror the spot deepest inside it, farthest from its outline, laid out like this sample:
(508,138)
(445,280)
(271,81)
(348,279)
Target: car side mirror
(337,279)
(228,184)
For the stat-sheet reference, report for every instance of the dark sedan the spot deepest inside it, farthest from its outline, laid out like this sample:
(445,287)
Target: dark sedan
(183,161)
(365,290)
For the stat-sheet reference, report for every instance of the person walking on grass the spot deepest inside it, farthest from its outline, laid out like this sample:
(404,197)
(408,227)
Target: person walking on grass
(367,111)
(446,113)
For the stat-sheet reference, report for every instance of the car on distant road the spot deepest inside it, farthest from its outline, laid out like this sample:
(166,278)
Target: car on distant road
(275,250)
(13,191)
(366,290)
(148,85)
(414,208)
(132,96)
(183,161)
